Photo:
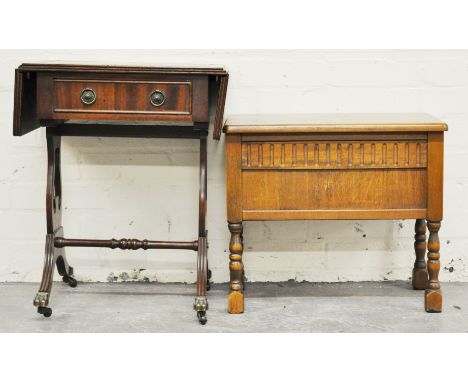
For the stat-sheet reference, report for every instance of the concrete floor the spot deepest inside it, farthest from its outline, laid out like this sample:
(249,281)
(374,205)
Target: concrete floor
(270,307)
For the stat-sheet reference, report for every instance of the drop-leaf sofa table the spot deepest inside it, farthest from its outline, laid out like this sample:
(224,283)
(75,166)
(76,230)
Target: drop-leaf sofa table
(342,166)
(117,101)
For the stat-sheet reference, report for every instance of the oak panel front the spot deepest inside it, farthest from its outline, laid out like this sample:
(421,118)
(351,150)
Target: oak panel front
(334,154)
(351,190)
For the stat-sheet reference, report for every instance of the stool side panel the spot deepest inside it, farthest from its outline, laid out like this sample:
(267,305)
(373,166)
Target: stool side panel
(435,180)
(233,178)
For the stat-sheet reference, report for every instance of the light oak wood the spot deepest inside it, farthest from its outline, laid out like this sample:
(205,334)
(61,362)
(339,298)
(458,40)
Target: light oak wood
(352,137)
(332,123)
(234,178)
(436,176)
(360,214)
(345,166)
(334,155)
(334,190)
(433,302)
(236,268)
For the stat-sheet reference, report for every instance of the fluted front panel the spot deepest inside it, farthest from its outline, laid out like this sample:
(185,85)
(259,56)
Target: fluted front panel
(334,155)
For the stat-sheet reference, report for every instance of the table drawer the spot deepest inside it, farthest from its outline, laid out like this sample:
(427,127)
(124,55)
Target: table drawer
(157,98)
(121,97)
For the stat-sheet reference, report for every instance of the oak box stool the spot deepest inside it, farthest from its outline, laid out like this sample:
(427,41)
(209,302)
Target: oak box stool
(337,167)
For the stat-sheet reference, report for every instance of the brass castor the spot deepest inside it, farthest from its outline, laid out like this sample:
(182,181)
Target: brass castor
(202,317)
(70,281)
(45,311)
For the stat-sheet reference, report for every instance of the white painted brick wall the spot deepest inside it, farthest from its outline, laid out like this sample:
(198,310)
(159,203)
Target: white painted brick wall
(148,188)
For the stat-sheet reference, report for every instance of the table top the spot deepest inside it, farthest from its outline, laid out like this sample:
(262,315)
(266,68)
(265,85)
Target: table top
(83,68)
(329,123)
(31,78)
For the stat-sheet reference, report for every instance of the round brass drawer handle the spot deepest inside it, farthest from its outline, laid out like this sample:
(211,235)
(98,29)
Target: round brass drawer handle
(88,96)
(157,98)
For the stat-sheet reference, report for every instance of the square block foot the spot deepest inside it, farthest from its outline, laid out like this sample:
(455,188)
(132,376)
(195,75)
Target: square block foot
(420,279)
(236,302)
(433,301)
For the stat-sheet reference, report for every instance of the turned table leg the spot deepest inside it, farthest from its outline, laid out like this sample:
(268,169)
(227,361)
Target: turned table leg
(236,268)
(53,256)
(433,296)
(420,275)
(201,302)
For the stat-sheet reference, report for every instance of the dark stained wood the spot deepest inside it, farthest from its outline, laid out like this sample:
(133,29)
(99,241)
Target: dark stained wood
(61,242)
(190,131)
(221,100)
(120,69)
(420,275)
(119,104)
(343,166)
(200,99)
(121,97)
(201,303)
(203,194)
(25,117)
(53,256)
(202,267)
(124,89)
(54,183)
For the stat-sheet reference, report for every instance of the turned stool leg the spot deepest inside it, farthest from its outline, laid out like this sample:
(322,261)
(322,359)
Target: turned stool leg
(420,275)
(236,268)
(243,269)
(433,296)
